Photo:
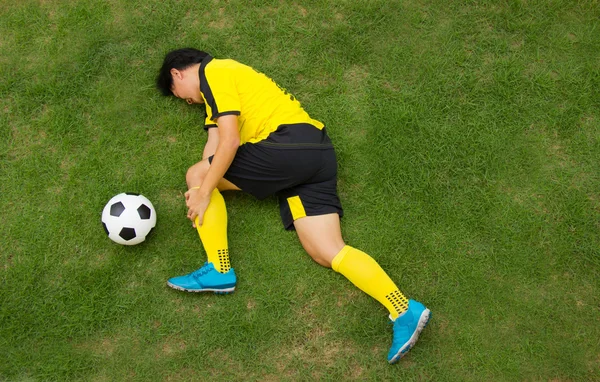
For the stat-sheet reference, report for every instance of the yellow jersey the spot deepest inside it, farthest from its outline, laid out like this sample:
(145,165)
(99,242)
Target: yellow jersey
(229,87)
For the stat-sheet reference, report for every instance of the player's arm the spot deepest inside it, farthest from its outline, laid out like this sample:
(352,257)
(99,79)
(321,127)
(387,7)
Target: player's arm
(228,143)
(211,143)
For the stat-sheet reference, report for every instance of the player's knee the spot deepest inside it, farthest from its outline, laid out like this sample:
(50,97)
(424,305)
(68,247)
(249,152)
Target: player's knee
(324,254)
(196,173)
(324,257)
(321,260)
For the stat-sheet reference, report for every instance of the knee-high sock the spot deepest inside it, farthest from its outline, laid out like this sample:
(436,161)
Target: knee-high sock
(213,233)
(364,272)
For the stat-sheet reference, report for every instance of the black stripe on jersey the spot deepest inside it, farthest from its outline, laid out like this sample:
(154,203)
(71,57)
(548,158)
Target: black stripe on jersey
(233,112)
(211,126)
(207,92)
(204,88)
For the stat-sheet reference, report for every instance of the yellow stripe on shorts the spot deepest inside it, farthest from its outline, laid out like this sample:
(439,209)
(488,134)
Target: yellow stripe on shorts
(296,207)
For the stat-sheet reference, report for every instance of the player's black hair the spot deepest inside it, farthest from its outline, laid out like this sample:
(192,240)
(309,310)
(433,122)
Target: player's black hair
(179,59)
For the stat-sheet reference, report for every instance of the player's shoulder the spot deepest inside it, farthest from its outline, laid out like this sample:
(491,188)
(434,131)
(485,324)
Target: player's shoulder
(224,64)
(225,70)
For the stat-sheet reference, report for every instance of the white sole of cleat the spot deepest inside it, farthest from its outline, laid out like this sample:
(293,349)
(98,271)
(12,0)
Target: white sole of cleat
(423,320)
(216,291)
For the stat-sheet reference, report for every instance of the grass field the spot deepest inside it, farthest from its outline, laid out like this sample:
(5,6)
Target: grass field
(468,140)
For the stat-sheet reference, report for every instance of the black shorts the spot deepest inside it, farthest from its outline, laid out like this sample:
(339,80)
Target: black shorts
(298,164)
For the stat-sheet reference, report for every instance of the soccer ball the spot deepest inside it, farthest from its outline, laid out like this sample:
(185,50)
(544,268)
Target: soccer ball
(128,218)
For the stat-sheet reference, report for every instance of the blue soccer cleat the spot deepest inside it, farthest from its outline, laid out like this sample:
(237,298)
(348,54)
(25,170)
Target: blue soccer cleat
(407,328)
(205,279)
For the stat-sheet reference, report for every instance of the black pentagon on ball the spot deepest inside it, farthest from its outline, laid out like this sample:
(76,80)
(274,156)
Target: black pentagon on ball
(127,233)
(117,209)
(105,229)
(132,193)
(144,211)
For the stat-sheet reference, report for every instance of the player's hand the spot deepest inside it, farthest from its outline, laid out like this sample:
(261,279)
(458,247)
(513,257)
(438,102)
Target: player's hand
(197,205)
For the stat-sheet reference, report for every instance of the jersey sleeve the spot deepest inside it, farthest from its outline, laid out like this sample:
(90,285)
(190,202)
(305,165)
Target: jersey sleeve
(221,93)
(209,123)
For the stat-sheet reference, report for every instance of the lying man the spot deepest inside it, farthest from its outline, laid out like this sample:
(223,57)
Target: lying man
(261,141)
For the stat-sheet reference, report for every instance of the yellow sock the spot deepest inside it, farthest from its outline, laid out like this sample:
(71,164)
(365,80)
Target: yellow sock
(213,233)
(364,272)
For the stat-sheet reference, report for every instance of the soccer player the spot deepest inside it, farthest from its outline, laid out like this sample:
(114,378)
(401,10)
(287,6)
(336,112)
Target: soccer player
(261,141)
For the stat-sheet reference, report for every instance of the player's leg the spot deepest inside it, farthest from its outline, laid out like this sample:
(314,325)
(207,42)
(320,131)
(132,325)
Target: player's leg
(252,170)
(213,232)
(216,275)
(321,238)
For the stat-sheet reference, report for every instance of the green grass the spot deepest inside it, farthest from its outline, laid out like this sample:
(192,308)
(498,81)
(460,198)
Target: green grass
(468,139)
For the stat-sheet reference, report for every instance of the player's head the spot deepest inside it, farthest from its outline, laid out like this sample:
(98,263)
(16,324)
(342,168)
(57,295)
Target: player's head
(179,60)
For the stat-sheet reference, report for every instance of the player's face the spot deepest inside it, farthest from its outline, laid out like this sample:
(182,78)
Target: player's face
(186,86)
